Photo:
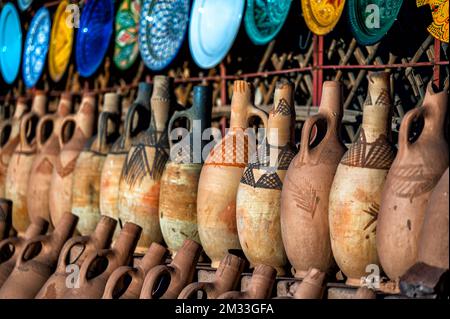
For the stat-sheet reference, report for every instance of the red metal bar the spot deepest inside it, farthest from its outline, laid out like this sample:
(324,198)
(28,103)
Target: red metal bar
(223,84)
(315,70)
(437,58)
(320,71)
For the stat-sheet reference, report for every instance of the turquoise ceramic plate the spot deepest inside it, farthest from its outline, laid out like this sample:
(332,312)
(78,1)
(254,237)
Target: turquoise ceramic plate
(10,43)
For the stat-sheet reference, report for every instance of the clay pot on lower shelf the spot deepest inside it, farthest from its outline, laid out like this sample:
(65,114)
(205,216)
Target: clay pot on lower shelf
(355,195)
(98,266)
(306,190)
(5,218)
(414,173)
(126,282)
(226,278)
(365,293)
(37,261)
(72,256)
(88,169)
(11,248)
(312,285)
(260,287)
(167,281)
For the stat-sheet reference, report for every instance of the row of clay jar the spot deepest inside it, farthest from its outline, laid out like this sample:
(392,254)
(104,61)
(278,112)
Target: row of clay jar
(312,208)
(89,268)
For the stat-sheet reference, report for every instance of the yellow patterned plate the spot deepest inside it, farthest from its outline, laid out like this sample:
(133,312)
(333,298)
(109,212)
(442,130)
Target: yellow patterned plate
(61,41)
(322,15)
(439,11)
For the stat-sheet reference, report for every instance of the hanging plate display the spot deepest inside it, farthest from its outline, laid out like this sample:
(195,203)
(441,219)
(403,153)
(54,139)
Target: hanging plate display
(213,28)
(162,29)
(370,20)
(61,42)
(439,10)
(265,18)
(94,34)
(36,47)
(10,43)
(321,16)
(126,47)
(24,4)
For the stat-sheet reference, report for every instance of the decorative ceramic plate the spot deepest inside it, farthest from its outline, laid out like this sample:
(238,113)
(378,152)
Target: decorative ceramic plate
(36,47)
(24,4)
(439,10)
(126,48)
(61,42)
(94,34)
(265,18)
(370,20)
(10,43)
(321,16)
(162,29)
(213,28)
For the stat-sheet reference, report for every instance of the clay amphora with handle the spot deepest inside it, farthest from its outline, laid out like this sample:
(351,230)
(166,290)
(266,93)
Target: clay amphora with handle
(5,218)
(72,256)
(37,261)
(220,177)
(88,169)
(304,198)
(415,172)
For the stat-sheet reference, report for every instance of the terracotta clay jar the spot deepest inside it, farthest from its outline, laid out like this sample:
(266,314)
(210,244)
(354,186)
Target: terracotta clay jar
(167,281)
(259,192)
(304,198)
(48,149)
(11,248)
(9,139)
(88,168)
(226,278)
(137,120)
(260,286)
(118,287)
(72,256)
(415,172)
(433,239)
(142,170)
(99,265)
(37,261)
(355,194)
(220,177)
(5,218)
(19,167)
(61,182)
(178,215)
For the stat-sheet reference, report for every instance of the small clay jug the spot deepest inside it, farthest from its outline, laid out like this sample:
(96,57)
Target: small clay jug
(61,182)
(73,254)
(19,167)
(220,177)
(88,169)
(433,239)
(48,149)
(99,265)
(312,285)
(260,286)
(306,190)
(142,170)
(5,218)
(9,139)
(365,293)
(167,281)
(10,248)
(37,261)
(415,172)
(137,120)
(178,214)
(259,192)
(226,278)
(118,287)
(355,194)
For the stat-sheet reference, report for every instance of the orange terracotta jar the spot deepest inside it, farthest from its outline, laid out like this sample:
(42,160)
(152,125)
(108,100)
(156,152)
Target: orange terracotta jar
(304,199)
(220,177)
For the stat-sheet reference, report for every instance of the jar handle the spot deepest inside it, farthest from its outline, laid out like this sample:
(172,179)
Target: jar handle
(66,251)
(191,289)
(24,128)
(308,126)
(40,129)
(176,115)
(115,277)
(152,279)
(405,126)
(68,119)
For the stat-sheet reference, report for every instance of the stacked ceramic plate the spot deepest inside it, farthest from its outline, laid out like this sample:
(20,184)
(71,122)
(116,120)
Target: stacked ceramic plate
(24,4)
(322,16)
(10,43)
(440,12)
(36,47)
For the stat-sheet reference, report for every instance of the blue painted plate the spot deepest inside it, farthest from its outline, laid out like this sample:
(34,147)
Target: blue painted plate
(94,35)
(213,28)
(10,43)
(162,28)
(24,4)
(36,47)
